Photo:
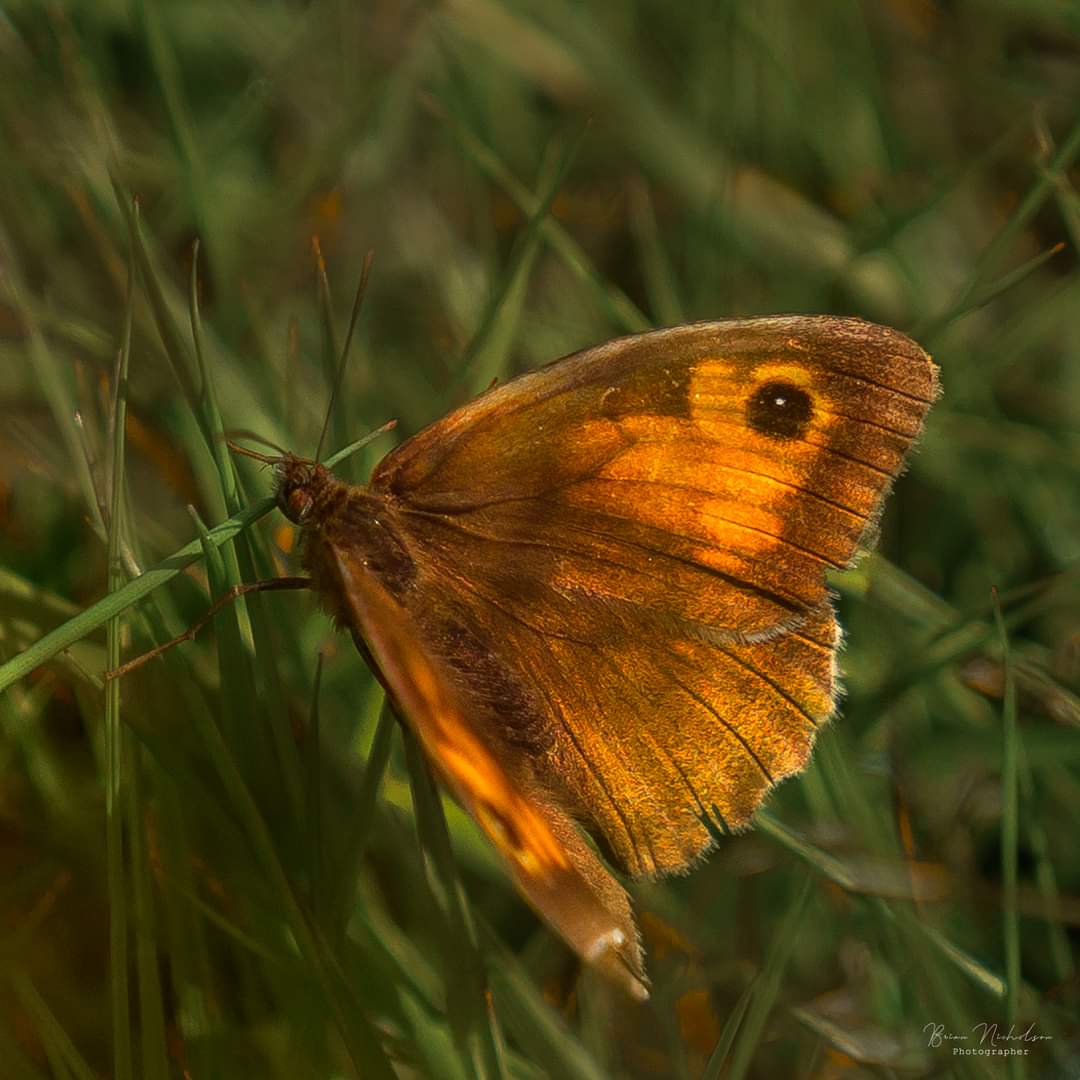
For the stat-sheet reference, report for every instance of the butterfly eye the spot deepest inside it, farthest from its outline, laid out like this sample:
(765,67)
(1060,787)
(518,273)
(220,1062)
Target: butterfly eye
(298,505)
(780,410)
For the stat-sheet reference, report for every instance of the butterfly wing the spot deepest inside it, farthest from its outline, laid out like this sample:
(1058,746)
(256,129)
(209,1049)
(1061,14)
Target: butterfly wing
(551,865)
(635,540)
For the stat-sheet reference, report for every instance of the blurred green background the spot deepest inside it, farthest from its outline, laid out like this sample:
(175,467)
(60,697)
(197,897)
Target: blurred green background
(234,868)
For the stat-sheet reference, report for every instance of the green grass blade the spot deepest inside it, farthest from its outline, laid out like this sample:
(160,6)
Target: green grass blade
(767,987)
(484,359)
(437,1052)
(363,820)
(464,969)
(17,1064)
(97,615)
(619,308)
(109,606)
(541,1032)
(58,1043)
(1037,194)
(164,64)
(56,389)
(1010,836)
(656,267)
(153,1042)
(120,763)
(356,1030)
(714,1067)
(313,787)
(1047,883)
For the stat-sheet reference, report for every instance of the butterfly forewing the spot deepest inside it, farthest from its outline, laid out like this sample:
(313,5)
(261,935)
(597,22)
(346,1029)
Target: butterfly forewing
(662,466)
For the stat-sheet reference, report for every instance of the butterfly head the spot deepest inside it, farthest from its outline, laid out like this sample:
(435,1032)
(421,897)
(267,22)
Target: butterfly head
(302,488)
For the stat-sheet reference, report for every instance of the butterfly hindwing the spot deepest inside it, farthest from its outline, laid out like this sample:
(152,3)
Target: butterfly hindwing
(550,863)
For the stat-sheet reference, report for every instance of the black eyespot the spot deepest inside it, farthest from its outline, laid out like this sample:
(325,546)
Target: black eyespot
(780,410)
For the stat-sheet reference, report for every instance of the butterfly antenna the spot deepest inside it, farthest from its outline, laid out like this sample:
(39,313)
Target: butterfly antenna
(357,303)
(266,459)
(254,436)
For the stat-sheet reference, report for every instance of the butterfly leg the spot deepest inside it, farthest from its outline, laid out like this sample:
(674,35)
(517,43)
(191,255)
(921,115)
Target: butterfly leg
(229,597)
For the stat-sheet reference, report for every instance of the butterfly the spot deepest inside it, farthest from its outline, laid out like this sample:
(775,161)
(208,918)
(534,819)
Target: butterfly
(597,592)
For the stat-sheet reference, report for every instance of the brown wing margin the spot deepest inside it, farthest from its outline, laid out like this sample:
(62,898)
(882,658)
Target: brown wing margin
(550,863)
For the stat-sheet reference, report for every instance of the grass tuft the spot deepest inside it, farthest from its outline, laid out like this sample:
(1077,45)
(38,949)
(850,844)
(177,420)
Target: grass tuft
(227,863)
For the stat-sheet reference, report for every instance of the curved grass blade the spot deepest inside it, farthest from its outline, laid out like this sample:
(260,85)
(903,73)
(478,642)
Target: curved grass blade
(109,606)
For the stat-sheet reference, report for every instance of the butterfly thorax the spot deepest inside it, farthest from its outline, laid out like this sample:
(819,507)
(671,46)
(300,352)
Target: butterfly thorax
(342,522)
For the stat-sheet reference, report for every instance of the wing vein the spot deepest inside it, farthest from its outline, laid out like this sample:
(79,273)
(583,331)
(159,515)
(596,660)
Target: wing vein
(880,386)
(785,601)
(776,687)
(557,711)
(692,693)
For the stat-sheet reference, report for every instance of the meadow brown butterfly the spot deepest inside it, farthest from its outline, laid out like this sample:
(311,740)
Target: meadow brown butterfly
(597,592)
